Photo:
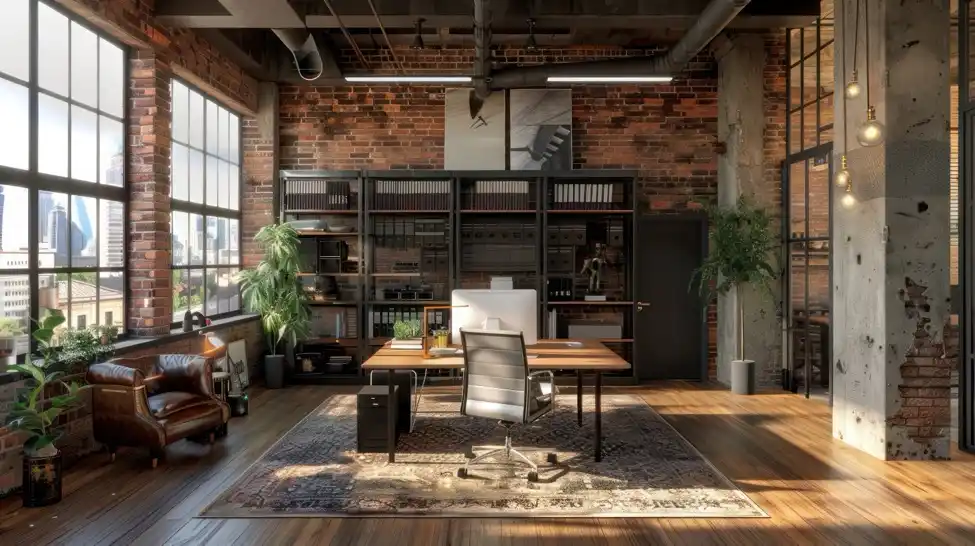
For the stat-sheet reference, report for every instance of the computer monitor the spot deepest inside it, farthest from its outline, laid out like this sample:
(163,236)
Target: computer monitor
(514,310)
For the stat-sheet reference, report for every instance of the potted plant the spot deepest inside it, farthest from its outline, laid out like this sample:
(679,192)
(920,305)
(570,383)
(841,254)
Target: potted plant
(36,412)
(742,247)
(407,334)
(274,291)
(78,349)
(107,334)
(10,331)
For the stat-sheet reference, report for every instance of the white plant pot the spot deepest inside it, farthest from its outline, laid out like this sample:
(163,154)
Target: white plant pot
(743,376)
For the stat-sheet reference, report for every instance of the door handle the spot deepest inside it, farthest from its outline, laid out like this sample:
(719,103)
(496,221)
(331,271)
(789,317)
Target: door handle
(641,304)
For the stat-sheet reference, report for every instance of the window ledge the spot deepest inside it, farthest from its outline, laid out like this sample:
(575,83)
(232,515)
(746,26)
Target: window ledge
(176,334)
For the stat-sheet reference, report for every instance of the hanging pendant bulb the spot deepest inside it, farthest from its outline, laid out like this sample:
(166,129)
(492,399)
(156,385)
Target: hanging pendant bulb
(871,133)
(853,88)
(848,201)
(842,177)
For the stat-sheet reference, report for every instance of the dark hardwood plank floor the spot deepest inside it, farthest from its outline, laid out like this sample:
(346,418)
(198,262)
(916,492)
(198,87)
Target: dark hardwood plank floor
(777,447)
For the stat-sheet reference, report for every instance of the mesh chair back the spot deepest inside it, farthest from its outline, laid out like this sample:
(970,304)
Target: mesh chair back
(495,375)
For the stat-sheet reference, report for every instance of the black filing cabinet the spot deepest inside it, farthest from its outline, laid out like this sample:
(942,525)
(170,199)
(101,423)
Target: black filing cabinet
(372,414)
(403,394)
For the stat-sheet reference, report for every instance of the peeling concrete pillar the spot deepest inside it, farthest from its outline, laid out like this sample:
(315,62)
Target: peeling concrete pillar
(890,251)
(741,172)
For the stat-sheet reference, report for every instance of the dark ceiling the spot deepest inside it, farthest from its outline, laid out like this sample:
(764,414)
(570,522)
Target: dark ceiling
(240,28)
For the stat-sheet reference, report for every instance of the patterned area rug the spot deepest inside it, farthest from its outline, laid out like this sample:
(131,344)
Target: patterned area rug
(648,469)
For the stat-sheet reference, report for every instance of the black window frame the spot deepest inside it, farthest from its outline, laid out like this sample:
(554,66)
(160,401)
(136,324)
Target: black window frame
(36,182)
(207,211)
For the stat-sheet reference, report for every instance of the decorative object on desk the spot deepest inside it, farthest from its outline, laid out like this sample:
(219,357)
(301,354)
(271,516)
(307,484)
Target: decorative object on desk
(404,330)
(11,330)
(742,250)
(650,470)
(273,290)
(441,338)
(592,267)
(426,340)
(35,415)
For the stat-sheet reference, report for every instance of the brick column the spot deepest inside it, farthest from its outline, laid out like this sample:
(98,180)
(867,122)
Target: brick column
(260,170)
(890,251)
(150,277)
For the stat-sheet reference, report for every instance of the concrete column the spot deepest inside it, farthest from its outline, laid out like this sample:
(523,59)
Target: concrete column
(890,251)
(741,172)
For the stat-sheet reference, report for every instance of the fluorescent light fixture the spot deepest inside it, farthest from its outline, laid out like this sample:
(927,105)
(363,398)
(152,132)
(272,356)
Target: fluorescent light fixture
(408,79)
(610,79)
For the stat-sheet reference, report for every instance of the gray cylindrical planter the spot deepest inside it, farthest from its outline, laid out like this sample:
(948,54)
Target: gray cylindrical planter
(274,371)
(743,376)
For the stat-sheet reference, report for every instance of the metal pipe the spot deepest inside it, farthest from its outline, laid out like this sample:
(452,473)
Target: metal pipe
(304,49)
(389,44)
(482,49)
(715,17)
(348,36)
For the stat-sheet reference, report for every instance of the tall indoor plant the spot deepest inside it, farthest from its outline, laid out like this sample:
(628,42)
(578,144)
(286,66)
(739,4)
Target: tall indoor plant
(36,412)
(742,248)
(273,290)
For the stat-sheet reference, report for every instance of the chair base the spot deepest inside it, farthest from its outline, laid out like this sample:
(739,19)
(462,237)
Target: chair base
(508,451)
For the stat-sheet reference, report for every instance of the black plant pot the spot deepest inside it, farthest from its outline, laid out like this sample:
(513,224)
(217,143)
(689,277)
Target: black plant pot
(274,371)
(42,480)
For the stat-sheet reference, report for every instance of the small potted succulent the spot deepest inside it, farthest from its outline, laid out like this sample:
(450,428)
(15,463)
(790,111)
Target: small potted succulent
(35,414)
(107,334)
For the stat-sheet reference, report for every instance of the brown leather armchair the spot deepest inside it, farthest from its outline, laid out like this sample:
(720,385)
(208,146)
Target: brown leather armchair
(176,401)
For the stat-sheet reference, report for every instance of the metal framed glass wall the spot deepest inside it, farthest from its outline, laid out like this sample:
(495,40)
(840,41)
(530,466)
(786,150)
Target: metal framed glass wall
(63,196)
(806,207)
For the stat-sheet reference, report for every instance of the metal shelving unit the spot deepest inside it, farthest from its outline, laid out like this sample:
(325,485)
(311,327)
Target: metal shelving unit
(418,235)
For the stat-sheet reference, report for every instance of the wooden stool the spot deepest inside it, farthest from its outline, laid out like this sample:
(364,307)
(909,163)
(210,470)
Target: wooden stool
(221,384)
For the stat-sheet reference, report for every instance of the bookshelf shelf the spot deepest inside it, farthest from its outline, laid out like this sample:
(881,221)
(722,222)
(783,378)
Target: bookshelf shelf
(422,234)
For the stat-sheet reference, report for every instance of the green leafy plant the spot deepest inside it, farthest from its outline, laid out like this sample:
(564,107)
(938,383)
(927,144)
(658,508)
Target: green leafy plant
(742,248)
(107,334)
(10,327)
(33,413)
(77,349)
(273,289)
(406,329)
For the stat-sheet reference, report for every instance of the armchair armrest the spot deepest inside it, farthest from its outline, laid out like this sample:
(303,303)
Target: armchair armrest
(112,373)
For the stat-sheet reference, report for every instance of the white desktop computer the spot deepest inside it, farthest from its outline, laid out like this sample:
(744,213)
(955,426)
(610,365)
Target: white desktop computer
(513,310)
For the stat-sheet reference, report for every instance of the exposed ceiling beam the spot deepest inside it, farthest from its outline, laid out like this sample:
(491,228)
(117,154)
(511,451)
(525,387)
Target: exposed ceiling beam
(604,22)
(216,14)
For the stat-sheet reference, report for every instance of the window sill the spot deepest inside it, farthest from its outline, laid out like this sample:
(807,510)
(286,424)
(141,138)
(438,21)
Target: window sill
(132,344)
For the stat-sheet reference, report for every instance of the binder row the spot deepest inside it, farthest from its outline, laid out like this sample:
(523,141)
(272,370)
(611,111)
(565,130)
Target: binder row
(499,195)
(319,195)
(381,320)
(410,233)
(573,196)
(411,195)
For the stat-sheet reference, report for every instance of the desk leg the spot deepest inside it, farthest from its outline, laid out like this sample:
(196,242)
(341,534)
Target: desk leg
(599,417)
(579,397)
(391,417)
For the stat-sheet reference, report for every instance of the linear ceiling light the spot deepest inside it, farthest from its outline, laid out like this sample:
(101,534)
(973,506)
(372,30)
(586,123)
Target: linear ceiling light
(408,79)
(610,79)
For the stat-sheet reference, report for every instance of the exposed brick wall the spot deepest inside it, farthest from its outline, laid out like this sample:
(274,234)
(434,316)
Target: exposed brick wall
(78,439)
(665,132)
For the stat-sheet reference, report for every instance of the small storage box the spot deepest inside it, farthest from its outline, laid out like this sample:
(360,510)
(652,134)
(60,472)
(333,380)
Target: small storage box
(372,416)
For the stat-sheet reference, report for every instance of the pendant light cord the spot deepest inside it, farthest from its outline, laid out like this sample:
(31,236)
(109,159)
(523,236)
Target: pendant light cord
(856,36)
(866,47)
(846,136)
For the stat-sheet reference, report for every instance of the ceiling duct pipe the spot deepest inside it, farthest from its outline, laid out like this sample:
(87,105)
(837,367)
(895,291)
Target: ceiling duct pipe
(715,17)
(307,56)
(482,55)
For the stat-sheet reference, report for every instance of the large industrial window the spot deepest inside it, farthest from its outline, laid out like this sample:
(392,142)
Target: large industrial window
(205,195)
(62,170)
(806,204)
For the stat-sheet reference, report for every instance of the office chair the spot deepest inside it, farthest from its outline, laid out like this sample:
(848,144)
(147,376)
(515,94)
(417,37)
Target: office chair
(498,385)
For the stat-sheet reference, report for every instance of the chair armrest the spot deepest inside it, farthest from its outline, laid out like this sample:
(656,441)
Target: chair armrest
(550,374)
(111,373)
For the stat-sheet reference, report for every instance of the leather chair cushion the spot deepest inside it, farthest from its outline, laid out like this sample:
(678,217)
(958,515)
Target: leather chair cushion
(192,420)
(165,404)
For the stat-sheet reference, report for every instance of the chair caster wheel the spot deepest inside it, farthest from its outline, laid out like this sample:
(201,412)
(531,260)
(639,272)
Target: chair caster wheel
(469,454)
(461,473)
(533,476)
(552,458)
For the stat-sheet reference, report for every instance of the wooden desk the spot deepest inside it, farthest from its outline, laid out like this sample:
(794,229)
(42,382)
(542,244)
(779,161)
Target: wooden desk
(588,356)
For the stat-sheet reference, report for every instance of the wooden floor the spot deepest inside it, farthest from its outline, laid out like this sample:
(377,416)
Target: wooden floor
(776,447)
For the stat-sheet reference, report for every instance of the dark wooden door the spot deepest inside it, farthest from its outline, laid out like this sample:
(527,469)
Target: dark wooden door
(670,333)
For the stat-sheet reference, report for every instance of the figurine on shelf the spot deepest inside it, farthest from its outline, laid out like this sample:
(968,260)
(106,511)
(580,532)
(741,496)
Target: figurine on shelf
(593,267)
